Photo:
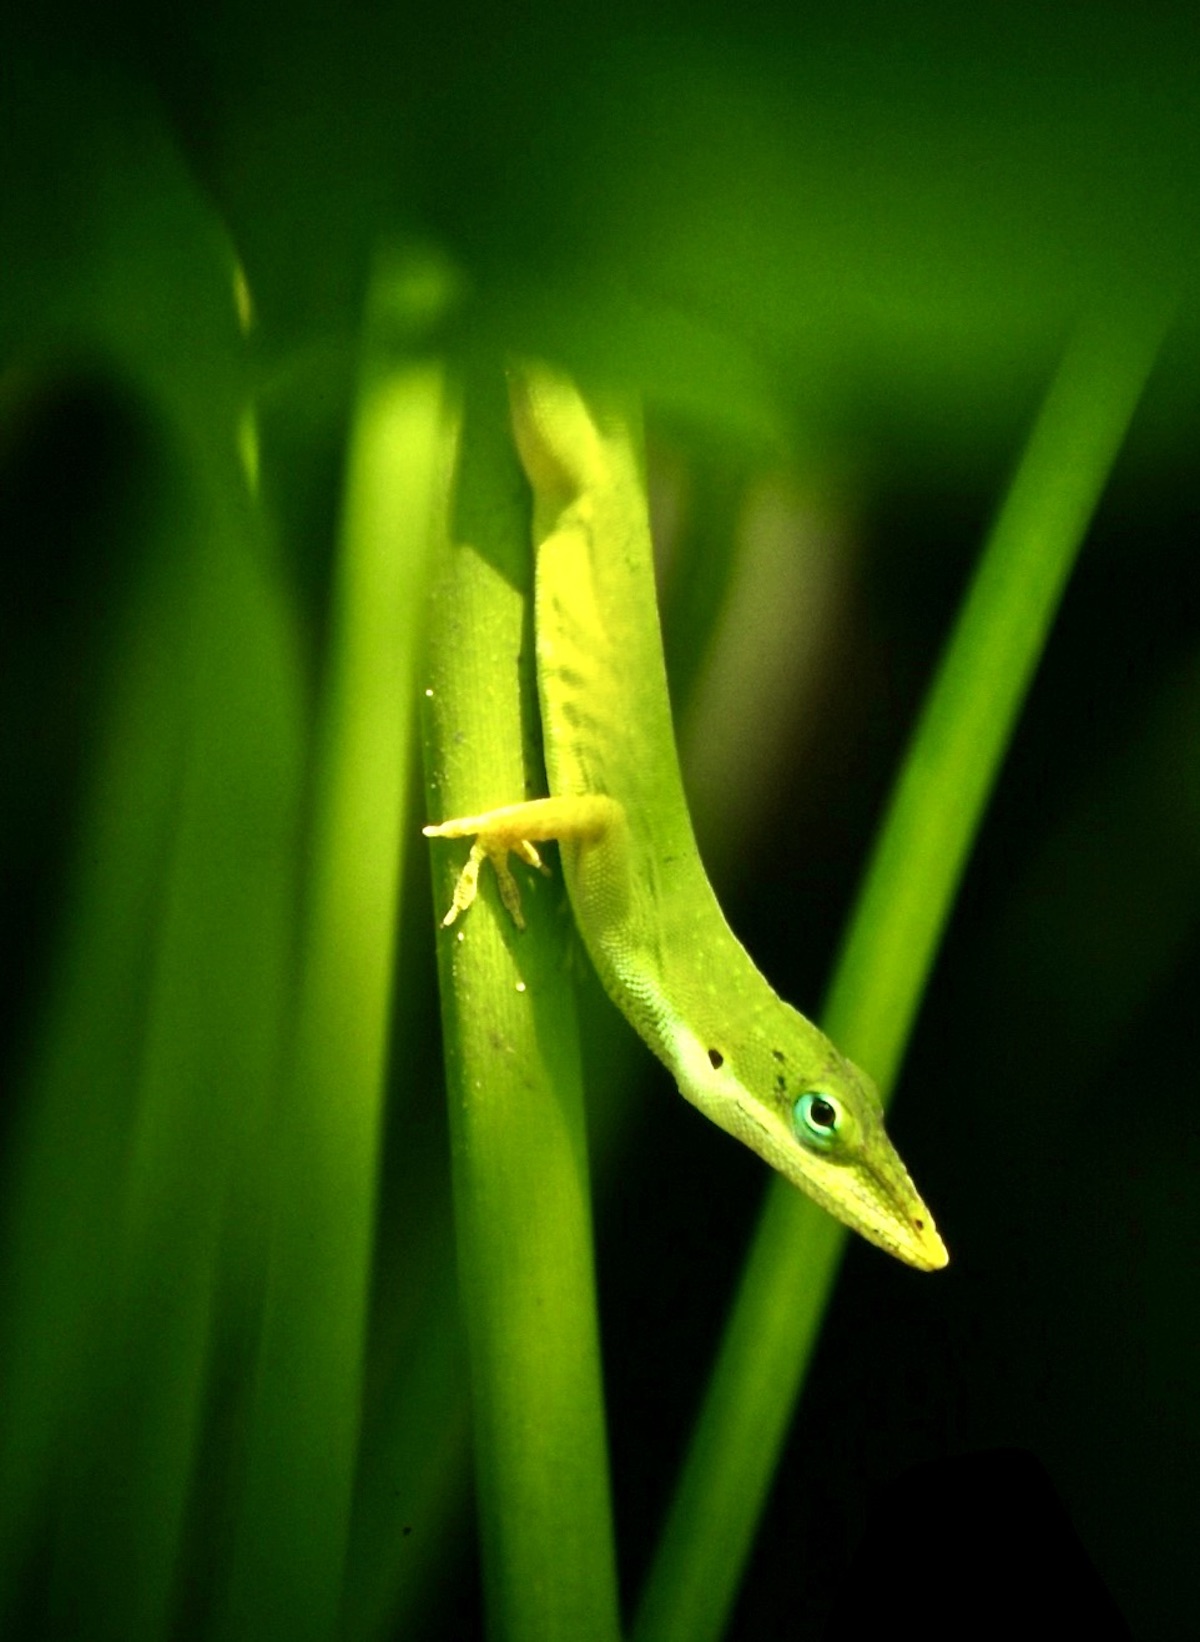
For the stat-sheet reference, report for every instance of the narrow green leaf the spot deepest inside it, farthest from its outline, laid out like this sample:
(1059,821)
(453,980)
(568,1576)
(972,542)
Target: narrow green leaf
(939,800)
(291,1540)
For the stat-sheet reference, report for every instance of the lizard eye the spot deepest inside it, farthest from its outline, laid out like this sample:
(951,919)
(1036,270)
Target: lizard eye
(817,1118)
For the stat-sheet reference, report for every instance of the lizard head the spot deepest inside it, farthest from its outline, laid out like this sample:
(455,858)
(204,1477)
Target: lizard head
(787,1093)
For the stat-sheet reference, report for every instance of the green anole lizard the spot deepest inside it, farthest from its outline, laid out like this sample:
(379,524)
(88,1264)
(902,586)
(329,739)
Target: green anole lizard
(641,898)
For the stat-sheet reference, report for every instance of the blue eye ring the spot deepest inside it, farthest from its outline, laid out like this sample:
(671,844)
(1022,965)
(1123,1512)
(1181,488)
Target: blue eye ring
(817,1118)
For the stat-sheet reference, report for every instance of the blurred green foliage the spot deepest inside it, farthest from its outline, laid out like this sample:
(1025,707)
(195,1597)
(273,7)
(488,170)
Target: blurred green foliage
(841,251)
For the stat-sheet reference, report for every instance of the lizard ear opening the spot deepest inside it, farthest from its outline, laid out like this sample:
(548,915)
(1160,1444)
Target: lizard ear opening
(716,1059)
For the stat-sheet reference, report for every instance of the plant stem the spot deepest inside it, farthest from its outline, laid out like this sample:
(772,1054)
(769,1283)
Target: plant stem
(519,1155)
